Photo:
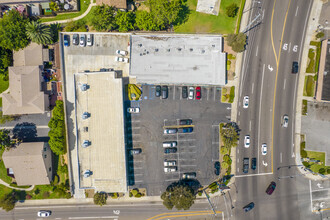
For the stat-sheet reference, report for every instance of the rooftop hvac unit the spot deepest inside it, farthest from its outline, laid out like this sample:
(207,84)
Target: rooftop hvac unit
(84,87)
(85,129)
(86,143)
(85,115)
(87,173)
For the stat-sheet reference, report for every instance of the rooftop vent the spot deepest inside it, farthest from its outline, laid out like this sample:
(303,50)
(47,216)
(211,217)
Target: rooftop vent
(156,50)
(140,45)
(168,50)
(191,50)
(203,51)
(179,49)
(85,129)
(213,45)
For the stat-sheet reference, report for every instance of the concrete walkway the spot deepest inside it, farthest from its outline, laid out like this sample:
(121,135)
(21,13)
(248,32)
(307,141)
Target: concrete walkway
(7,185)
(73,19)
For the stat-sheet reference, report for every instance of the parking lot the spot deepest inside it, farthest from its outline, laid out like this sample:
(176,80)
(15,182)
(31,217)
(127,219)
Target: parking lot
(196,151)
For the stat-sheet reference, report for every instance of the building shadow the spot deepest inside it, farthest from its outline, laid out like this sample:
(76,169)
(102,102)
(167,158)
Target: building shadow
(25,131)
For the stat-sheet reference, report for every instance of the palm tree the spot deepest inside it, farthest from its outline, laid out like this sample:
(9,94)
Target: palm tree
(39,33)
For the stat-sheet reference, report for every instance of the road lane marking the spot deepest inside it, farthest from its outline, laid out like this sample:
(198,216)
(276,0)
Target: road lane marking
(297,12)
(262,83)
(284,84)
(257,174)
(181,213)
(237,160)
(93,217)
(280,157)
(252,88)
(289,47)
(271,31)
(238,152)
(257,52)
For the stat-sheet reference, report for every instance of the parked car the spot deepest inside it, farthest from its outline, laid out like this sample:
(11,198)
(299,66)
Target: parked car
(185,130)
(170,131)
(264,149)
(170,150)
(170,169)
(66,40)
(198,93)
(191,93)
(135,151)
(169,163)
(253,163)
(133,110)
(158,90)
(185,122)
(44,213)
(164,92)
(90,39)
(270,189)
(82,41)
(285,121)
(217,168)
(184,92)
(245,165)
(246,102)
(170,144)
(121,52)
(295,67)
(191,175)
(247,141)
(121,59)
(248,207)
(75,39)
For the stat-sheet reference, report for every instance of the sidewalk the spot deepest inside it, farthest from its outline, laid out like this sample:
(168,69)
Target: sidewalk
(9,186)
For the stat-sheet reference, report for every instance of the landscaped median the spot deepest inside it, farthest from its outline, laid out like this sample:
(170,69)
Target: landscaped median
(309,86)
(228,94)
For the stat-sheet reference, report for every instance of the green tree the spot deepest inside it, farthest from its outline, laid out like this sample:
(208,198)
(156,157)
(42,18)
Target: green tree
(322,171)
(7,203)
(103,18)
(229,135)
(12,31)
(5,140)
(232,10)
(227,158)
(6,59)
(303,153)
(100,198)
(144,21)
(57,129)
(39,32)
(125,21)
(224,150)
(237,42)
(55,28)
(224,165)
(53,6)
(178,195)
(76,26)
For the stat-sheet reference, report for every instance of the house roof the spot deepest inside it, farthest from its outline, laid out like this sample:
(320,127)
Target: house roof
(25,96)
(32,55)
(27,162)
(122,4)
(13,2)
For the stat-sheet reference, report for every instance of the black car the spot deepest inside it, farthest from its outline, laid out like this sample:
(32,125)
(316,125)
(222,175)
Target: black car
(217,168)
(185,130)
(270,189)
(158,90)
(253,163)
(170,150)
(248,207)
(184,92)
(75,39)
(185,122)
(164,92)
(245,165)
(295,67)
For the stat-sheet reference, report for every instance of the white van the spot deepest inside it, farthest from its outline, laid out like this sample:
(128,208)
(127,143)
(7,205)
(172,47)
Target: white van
(170,144)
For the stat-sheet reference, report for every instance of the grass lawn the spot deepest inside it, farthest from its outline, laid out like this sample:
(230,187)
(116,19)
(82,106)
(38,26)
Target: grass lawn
(304,107)
(3,171)
(4,190)
(317,156)
(63,16)
(205,23)
(0,101)
(309,86)
(3,84)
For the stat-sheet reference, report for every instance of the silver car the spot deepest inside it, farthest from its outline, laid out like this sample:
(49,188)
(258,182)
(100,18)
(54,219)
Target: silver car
(170,131)
(191,93)
(285,121)
(82,41)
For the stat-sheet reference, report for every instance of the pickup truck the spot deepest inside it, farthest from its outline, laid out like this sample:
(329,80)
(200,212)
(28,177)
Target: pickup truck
(245,165)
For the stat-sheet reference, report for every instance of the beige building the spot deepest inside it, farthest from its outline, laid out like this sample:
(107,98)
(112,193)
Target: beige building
(30,163)
(121,4)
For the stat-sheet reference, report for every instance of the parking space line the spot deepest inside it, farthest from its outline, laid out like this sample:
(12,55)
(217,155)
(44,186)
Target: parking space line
(138,181)
(186,140)
(207,94)
(174,93)
(187,159)
(237,150)
(310,194)
(189,165)
(317,190)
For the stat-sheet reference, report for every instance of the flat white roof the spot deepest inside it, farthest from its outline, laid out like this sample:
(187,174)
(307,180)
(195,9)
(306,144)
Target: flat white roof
(105,157)
(178,59)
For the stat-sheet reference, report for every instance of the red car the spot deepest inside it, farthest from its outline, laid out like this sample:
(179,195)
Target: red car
(198,92)
(271,188)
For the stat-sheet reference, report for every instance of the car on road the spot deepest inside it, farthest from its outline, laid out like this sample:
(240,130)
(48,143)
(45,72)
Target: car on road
(246,101)
(198,92)
(121,59)
(121,52)
(164,92)
(248,207)
(270,189)
(135,151)
(264,149)
(170,169)
(44,213)
(246,165)
(247,141)
(285,121)
(82,41)
(170,150)
(133,110)
(170,130)
(253,163)
(191,93)
(66,40)
(170,144)
(185,130)
(185,122)
(158,91)
(191,175)
(217,168)
(295,67)
(90,39)
(168,163)
(184,92)
(75,39)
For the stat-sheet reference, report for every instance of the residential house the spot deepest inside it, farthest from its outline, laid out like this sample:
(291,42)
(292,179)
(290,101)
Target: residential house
(32,7)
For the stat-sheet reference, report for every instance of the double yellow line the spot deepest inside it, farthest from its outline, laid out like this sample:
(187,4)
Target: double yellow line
(181,214)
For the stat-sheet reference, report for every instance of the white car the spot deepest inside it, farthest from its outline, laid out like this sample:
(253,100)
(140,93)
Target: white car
(89,39)
(191,93)
(247,141)
(169,169)
(121,52)
(246,102)
(169,163)
(285,121)
(133,110)
(44,214)
(263,149)
(82,41)
(121,59)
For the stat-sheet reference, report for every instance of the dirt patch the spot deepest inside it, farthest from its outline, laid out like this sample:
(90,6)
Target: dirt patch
(89,193)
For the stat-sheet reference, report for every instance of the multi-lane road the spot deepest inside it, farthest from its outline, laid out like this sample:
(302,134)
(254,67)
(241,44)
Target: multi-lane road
(267,78)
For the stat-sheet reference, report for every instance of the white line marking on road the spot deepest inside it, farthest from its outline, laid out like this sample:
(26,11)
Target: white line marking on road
(284,84)
(237,170)
(189,165)
(186,140)
(296,11)
(250,125)
(237,160)
(325,198)
(258,174)
(238,122)
(252,88)
(324,189)
(310,194)
(238,151)
(257,51)
(280,157)
(207,94)
(289,47)
(239,113)
(58,218)
(262,83)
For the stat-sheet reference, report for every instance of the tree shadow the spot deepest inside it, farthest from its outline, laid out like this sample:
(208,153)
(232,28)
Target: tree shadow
(183,14)
(25,131)
(194,184)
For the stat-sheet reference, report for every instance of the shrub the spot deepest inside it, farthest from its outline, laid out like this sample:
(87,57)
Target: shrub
(304,107)
(328,171)
(213,185)
(114,195)
(303,153)
(134,192)
(55,181)
(224,150)
(315,77)
(322,171)
(306,164)
(231,56)
(138,195)
(237,42)
(224,165)
(302,145)
(320,35)
(200,193)
(130,194)
(226,158)
(231,10)
(100,198)
(232,94)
